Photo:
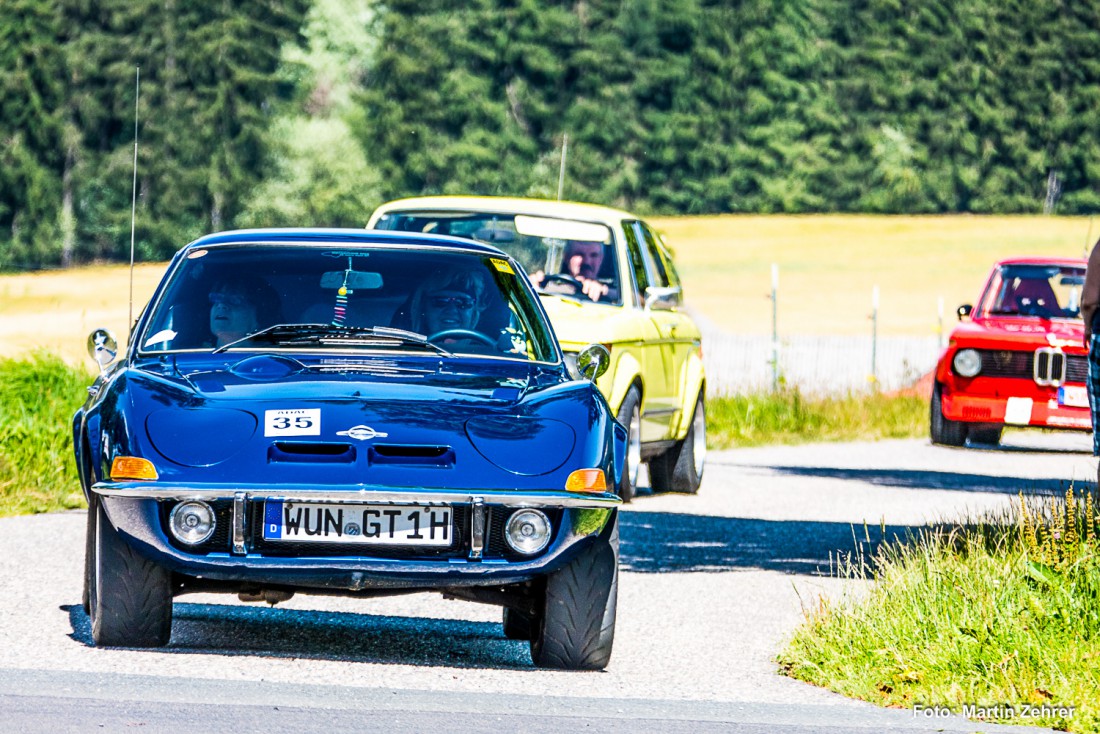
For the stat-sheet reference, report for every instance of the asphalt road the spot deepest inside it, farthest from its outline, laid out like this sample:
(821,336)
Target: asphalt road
(711,586)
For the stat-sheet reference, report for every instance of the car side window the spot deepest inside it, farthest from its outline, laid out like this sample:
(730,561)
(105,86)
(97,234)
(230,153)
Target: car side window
(658,259)
(637,260)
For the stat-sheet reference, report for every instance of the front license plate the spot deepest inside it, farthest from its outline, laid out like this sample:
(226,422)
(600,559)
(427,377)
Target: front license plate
(365,524)
(1073,396)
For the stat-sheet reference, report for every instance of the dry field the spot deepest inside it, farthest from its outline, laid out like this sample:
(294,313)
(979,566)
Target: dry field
(828,266)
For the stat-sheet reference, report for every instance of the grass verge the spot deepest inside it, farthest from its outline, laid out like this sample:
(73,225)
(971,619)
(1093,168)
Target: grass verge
(788,416)
(38,396)
(995,620)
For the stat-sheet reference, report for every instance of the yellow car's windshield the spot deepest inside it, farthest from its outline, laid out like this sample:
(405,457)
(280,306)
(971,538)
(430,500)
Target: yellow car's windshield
(565,257)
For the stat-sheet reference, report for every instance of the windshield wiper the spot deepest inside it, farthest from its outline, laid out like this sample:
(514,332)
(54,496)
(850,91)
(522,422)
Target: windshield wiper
(313,333)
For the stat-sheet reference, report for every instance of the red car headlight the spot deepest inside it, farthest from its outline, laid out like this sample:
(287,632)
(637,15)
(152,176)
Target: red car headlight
(967,362)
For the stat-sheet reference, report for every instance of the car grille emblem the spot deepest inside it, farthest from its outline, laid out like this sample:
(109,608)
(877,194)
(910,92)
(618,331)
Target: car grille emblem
(1050,366)
(362,433)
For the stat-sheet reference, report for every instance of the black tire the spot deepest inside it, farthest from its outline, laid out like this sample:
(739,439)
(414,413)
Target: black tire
(680,469)
(577,627)
(517,625)
(630,416)
(985,433)
(130,598)
(944,431)
(89,555)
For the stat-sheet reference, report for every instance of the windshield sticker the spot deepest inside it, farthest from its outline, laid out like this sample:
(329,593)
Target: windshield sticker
(503,266)
(300,422)
(197,254)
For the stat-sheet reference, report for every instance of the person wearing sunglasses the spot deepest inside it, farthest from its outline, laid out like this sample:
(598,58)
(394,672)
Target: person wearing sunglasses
(449,303)
(237,308)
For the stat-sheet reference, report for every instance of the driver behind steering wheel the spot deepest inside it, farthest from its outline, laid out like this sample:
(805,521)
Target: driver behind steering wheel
(448,304)
(580,271)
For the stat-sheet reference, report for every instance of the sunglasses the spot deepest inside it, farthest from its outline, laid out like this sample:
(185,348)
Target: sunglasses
(462,303)
(228,299)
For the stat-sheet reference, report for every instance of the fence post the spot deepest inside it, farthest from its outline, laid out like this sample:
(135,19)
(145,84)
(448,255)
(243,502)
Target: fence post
(874,336)
(775,327)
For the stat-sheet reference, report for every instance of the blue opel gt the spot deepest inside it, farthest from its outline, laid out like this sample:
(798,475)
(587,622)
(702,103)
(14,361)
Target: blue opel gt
(350,412)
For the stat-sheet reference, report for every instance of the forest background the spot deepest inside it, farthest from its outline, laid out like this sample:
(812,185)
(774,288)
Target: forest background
(295,112)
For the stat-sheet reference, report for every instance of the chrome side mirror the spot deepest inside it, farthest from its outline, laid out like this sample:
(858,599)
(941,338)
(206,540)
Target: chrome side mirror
(593,361)
(659,298)
(102,347)
(964,311)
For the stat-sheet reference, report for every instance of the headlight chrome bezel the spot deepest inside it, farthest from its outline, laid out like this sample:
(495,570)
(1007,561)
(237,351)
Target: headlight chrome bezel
(967,363)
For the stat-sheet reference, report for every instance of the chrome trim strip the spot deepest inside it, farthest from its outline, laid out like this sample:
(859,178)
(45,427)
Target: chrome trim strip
(357,495)
(477,527)
(240,507)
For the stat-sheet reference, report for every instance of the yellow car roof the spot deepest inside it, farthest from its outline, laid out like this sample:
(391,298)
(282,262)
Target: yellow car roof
(509,205)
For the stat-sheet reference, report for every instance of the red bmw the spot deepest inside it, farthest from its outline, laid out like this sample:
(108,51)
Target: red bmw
(1017,358)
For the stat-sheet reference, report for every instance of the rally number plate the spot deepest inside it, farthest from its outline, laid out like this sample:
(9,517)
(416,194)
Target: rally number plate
(365,524)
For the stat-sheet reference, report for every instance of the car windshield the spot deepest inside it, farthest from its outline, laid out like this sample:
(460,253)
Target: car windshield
(305,296)
(565,257)
(1047,291)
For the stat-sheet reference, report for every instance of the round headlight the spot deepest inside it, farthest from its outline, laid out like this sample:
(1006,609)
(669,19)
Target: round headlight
(192,522)
(967,362)
(528,531)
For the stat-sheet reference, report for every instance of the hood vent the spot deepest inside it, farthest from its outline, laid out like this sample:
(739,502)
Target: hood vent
(311,453)
(442,457)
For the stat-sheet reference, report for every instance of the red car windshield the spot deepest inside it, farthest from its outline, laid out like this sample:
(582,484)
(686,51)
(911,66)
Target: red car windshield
(1046,291)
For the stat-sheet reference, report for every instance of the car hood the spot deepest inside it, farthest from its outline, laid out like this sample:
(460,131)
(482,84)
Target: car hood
(429,424)
(578,324)
(1020,333)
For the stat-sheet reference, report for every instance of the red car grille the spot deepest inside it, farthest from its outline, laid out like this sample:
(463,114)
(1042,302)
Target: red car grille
(1009,363)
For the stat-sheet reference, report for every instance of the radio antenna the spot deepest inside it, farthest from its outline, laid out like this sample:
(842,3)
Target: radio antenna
(1088,239)
(133,197)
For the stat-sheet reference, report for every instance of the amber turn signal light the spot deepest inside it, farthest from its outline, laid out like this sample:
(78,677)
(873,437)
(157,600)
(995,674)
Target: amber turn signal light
(131,467)
(586,480)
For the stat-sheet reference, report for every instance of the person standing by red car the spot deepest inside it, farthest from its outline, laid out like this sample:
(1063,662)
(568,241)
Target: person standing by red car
(1090,311)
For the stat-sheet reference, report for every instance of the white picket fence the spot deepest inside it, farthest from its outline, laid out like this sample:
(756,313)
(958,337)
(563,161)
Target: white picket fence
(815,364)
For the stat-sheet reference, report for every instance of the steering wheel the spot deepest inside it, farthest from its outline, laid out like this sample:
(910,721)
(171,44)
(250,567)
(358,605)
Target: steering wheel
(463,334)
(565,278)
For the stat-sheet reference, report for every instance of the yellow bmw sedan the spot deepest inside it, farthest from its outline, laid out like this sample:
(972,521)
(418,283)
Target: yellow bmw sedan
(605,277)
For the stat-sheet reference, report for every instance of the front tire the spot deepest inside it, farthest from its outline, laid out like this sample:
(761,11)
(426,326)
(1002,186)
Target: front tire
(945,431)
(130,597)
(680,469)
(577,627)
(630,415)
(985,433)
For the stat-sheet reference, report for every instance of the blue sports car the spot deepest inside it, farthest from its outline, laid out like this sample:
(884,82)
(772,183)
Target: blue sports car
(350,412)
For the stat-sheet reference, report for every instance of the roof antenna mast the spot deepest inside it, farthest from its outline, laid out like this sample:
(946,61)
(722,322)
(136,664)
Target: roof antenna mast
(133,197)
(561,167)
(1088,239)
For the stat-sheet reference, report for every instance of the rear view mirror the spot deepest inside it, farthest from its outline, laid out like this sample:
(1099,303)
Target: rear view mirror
(353,279)
(593,361)
(102,347)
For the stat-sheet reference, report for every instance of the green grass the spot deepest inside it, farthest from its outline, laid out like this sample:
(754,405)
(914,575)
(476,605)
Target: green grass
(38,396)
(788,416)
(1002,612)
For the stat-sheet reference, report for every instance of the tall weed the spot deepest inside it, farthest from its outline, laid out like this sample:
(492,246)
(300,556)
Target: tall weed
(38,396)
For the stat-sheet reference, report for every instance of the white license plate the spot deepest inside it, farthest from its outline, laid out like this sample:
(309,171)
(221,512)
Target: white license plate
(365,524)
(1073,396)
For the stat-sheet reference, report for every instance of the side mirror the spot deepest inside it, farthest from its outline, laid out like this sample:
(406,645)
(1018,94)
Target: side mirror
(659,298)
(102,347)
(593,361)
(964,311)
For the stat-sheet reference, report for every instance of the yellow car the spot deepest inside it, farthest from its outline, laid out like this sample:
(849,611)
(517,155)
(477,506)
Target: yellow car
(605,276)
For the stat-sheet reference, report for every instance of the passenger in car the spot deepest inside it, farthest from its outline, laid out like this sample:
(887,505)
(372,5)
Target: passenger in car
(239,307)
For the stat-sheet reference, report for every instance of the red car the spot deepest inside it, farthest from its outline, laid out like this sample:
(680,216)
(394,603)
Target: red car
(1017,358)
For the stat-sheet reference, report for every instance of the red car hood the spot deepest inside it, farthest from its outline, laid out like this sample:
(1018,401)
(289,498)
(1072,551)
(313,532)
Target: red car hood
(1010,332)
